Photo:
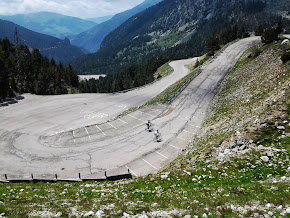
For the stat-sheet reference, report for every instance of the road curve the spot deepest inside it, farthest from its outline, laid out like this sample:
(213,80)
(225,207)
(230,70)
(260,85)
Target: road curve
(69,134)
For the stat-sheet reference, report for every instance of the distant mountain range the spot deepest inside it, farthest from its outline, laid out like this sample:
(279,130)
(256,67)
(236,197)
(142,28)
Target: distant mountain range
(177,29)
(49,46)
(99,20)
(92,38)
(53,24)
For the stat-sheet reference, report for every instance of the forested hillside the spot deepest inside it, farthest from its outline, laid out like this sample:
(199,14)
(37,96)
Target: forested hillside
(176,30)
(24,71)
(51,47)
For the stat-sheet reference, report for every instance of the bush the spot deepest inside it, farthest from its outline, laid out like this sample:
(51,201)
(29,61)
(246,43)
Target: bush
(270,35)
(285,57)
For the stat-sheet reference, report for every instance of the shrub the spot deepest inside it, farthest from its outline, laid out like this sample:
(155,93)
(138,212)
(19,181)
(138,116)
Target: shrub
(285,57)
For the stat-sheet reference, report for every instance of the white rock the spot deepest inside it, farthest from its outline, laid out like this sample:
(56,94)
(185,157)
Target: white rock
(58,214)
(164,176)
(260,147)
(227,151)
(270,213)
(265,159)
(204,215)
(285,41)
(125,215)
(283,178)
(288,210)
(99,213)
(280,208)
(281,127)
(90,213)
(233,207)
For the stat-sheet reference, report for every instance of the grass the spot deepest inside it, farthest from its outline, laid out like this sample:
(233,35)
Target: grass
(162,71)
(163,97)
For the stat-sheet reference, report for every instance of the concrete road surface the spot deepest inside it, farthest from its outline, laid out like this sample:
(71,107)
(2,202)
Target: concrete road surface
(73,134)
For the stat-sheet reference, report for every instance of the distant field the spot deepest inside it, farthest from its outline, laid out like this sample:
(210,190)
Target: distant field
(83,77)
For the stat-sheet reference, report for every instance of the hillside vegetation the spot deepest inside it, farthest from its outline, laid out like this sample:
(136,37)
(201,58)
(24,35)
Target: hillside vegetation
(237,166)
(177,29)
(22,70)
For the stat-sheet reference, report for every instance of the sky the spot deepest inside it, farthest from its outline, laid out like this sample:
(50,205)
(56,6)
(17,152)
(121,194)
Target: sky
(75,8)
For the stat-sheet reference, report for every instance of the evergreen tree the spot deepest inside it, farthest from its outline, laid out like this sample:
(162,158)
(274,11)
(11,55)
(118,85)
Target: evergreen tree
(270,35)
(212,44)
(259,30)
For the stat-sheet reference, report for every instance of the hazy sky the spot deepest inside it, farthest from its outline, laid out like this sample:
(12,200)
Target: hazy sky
(76,8)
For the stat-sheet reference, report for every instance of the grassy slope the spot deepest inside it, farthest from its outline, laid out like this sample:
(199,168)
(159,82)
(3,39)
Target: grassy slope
(253,100)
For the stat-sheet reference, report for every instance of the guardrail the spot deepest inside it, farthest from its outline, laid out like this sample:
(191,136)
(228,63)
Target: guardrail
(50,178)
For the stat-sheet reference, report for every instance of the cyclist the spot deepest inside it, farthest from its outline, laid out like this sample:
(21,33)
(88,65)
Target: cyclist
(157,135)
(148,124)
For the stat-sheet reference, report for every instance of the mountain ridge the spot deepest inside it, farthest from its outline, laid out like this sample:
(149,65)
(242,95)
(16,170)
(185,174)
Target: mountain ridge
(92,38)
(54,24)
(49,46)
(176,30)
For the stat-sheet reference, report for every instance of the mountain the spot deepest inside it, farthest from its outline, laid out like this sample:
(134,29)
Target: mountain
(99,20)
(53,24)
(49,46)
(177,29)
(92,38)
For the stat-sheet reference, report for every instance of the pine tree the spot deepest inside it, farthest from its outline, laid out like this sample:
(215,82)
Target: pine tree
(212,44)
(259,30)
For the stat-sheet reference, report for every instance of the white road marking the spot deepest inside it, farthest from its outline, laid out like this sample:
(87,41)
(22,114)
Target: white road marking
(175,147)
(195,126)
(162,155)
(123,121)
(112,125)
(91,115)
(135,118)
(73,133)
(56,133)
(146,113)
(59,137)
(149,164)
(156,110)
(181,138)
(131,171)
(189,132)
(88,134)
(124,106)
(101,130)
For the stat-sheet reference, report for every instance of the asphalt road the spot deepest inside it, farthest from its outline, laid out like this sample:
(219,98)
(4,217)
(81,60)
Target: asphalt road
(69,134)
